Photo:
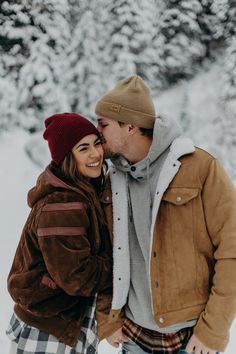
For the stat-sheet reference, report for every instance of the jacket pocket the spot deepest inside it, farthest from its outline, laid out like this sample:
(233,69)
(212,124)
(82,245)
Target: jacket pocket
(180,196)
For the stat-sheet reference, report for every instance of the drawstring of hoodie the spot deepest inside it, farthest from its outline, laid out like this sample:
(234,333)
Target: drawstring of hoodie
(129,198)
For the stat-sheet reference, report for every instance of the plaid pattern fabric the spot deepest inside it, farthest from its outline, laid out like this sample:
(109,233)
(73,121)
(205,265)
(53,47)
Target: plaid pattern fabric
(30,340)
(154,342)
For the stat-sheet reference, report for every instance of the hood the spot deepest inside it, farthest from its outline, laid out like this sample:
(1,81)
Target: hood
(47,183)
(165,131)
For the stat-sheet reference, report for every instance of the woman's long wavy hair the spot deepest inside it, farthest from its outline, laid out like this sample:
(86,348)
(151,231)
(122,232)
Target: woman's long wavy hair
(67,170)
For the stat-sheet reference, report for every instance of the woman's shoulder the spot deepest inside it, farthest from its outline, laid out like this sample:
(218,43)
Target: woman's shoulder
(65,196)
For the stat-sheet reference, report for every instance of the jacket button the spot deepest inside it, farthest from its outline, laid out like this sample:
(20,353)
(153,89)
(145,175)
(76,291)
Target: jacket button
(107,198)
(133,168)
(161,320)
(156,284)
(178,199)
(154,254)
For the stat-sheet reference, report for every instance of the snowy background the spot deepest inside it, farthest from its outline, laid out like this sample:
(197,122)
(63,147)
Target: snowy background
(61,55)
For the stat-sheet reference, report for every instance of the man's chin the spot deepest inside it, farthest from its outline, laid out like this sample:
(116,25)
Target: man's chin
(110,154)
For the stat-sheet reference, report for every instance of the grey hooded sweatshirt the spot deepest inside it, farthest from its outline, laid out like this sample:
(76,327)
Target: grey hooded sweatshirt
(141,180)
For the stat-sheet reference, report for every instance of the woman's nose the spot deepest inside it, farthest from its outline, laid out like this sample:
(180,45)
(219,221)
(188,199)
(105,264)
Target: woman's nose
(95,152)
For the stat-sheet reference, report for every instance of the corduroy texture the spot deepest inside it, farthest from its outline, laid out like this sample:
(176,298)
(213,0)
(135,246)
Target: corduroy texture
(63,131)
(129,102)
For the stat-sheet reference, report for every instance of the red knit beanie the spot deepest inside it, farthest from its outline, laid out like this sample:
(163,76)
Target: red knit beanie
(63,131)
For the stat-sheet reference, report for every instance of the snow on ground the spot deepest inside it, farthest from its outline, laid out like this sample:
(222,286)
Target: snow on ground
(17,175)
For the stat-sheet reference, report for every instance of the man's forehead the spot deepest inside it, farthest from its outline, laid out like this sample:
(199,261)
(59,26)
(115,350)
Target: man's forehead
(103,119)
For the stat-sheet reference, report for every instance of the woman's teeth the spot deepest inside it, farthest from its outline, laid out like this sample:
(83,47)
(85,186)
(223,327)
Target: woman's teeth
(95,164)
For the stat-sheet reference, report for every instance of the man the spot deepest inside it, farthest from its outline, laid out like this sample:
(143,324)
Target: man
(174,232)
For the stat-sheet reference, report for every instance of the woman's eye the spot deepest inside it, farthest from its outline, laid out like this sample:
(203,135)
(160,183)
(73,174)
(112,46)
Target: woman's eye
(104,125)
(83,149)
(98,143)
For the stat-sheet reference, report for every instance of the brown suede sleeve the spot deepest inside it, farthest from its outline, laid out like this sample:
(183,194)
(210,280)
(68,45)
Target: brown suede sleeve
(108,321)
(219,200)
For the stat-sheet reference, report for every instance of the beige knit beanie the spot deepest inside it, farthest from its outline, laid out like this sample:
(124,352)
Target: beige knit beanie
(129,102)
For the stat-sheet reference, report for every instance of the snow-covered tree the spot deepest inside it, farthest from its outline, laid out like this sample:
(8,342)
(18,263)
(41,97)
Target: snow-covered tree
(220,11)
(131,37)
(40,80)
(85,70)
(228,104)
(17,30)
(9,114)
(37,32)
(147,65)
(180,40)
(40,93)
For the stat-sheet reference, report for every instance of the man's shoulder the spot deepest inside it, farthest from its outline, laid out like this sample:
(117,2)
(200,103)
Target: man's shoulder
(198,156)
(194,169)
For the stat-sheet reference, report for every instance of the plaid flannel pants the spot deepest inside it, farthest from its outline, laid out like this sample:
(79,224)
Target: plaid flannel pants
(30,340)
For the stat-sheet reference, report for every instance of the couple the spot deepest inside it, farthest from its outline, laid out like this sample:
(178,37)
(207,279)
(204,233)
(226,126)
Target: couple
(168,208)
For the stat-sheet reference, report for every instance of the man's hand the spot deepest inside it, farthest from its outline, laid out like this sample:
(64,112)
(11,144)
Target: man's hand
(197,347)
(117,338)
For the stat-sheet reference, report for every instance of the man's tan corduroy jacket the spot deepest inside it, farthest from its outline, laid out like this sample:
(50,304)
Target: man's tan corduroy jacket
(193,258)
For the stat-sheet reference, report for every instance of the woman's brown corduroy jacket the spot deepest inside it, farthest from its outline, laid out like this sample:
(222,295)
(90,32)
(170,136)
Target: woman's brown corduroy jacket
(62,260)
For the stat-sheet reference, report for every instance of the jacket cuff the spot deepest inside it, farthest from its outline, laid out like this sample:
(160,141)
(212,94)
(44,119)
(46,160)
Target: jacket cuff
(113,322)
(208,337)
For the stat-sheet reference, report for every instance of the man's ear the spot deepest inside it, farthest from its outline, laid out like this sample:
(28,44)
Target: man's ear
(132,129)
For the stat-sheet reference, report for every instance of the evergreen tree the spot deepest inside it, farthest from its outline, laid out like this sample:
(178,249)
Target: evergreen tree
(228,101)
(124,20)
(147,64)
(9,116)
(39,91)
(14,39)
(37,33)
(180,40)
(132,37)
(16,32)
(85,68)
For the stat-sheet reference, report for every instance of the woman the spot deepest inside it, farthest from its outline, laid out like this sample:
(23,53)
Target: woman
(64,255)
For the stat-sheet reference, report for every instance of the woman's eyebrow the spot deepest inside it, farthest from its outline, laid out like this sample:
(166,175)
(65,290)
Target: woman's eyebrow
(80,145)
(87,144)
